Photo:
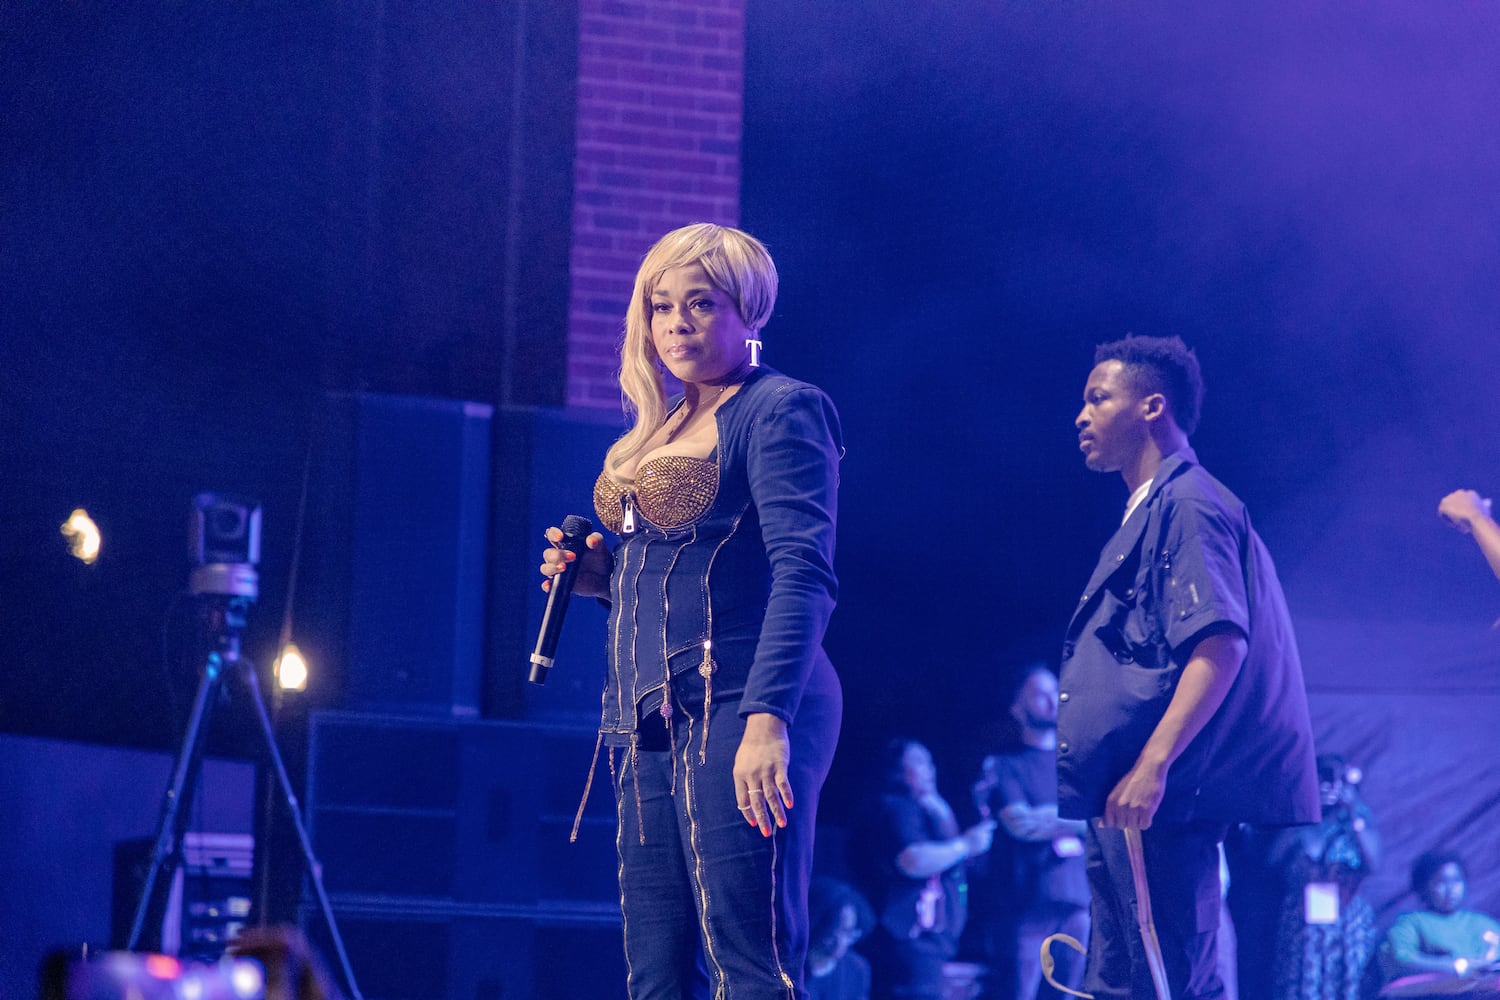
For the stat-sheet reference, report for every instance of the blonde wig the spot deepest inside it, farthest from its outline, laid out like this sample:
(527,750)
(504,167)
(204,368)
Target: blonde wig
(737,264)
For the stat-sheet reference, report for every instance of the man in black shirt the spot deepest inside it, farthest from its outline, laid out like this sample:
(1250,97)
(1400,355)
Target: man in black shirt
(1038,864)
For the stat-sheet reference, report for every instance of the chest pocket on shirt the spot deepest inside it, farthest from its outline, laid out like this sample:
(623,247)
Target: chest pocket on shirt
(1130,631)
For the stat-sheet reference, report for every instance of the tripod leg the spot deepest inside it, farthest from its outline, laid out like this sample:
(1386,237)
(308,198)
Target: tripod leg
(314,869)
(169,830)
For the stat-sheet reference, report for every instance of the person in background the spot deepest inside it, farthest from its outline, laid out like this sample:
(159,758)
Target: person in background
(837,918)
(1442,937)
(1327,933)
(1035,883)
(914,856)
(1469,513)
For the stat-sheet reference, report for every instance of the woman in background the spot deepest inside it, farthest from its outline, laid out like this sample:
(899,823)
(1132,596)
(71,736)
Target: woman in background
(1327,930)
(914,856)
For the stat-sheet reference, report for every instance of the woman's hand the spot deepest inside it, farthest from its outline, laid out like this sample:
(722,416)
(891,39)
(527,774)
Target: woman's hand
(593,569)
(761,785)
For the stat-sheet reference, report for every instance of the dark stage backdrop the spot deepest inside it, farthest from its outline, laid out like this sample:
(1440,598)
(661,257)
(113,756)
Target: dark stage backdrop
(213,213)
(964,198)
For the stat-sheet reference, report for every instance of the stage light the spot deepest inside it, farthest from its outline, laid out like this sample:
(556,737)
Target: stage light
(248,979)
(163,966)
(291,669)
(83,536)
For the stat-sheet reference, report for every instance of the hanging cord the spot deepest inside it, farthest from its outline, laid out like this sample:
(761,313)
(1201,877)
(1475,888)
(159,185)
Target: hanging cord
(268,806)
(1143,914)
(1049,966)
(1154,960)
(291,577)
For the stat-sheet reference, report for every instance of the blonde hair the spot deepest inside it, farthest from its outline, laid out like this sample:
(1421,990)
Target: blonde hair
(737,264)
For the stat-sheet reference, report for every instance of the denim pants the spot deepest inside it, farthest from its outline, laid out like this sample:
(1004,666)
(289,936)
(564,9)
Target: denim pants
(1182,872)
(700,889)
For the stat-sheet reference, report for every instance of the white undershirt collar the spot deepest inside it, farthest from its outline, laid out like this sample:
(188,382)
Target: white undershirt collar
(1136,498)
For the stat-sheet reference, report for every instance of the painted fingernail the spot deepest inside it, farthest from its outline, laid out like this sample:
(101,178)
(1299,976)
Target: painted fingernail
(546,586)
(569,556)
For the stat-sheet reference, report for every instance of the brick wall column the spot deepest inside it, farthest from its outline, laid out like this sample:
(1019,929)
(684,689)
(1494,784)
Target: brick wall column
(660,93)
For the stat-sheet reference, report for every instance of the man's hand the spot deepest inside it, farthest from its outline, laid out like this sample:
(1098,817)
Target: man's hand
(1134,801)
(1205,680)
(1462,508)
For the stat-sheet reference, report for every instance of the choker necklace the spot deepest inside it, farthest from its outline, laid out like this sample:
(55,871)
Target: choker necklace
(689,410)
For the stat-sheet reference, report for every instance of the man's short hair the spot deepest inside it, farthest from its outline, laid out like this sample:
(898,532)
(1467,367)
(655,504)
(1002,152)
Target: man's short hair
(1020,677)
(1160,364)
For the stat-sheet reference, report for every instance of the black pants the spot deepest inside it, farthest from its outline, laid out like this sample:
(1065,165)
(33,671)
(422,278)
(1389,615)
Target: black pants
(1182,871)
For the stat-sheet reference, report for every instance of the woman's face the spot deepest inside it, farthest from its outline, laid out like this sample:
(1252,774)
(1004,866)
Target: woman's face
(696,328)
(1445,890)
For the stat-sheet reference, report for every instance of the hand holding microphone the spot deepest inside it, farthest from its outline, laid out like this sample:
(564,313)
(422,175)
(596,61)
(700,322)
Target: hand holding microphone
(576,560)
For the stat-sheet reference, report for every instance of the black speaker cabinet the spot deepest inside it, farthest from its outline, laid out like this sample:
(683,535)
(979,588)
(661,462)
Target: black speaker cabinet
(391,599)
(471,812)
(476,954)
(545,465)
(444,847)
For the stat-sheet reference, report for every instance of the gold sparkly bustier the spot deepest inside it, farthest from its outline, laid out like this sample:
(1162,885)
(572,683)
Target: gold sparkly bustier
(671,491)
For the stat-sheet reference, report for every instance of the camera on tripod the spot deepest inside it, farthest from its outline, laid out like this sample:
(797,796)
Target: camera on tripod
(224,544)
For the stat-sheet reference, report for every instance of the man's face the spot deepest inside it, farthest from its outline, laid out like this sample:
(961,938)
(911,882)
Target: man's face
(917,769)
(1112,426)
(1036,704)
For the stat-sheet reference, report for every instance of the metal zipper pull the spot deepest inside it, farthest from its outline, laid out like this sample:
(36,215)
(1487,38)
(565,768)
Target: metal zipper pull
(627,525)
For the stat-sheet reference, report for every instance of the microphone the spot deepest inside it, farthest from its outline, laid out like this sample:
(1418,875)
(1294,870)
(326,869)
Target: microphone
(575,529)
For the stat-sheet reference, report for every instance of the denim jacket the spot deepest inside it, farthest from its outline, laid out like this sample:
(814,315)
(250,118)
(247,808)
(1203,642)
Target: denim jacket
(742,595)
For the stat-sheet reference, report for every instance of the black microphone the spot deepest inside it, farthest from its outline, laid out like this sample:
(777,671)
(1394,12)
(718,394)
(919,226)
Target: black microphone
(575,529)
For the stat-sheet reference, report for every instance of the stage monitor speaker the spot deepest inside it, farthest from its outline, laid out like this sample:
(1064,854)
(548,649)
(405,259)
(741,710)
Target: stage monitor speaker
(546,462)
(481,810)
(398,531)
(422,954)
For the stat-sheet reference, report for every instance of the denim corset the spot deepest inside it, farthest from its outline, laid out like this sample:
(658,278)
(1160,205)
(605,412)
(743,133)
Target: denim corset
(697,597)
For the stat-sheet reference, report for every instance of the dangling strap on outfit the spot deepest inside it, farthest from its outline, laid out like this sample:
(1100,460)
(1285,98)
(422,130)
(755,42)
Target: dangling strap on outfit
(588,785)
(706,671)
